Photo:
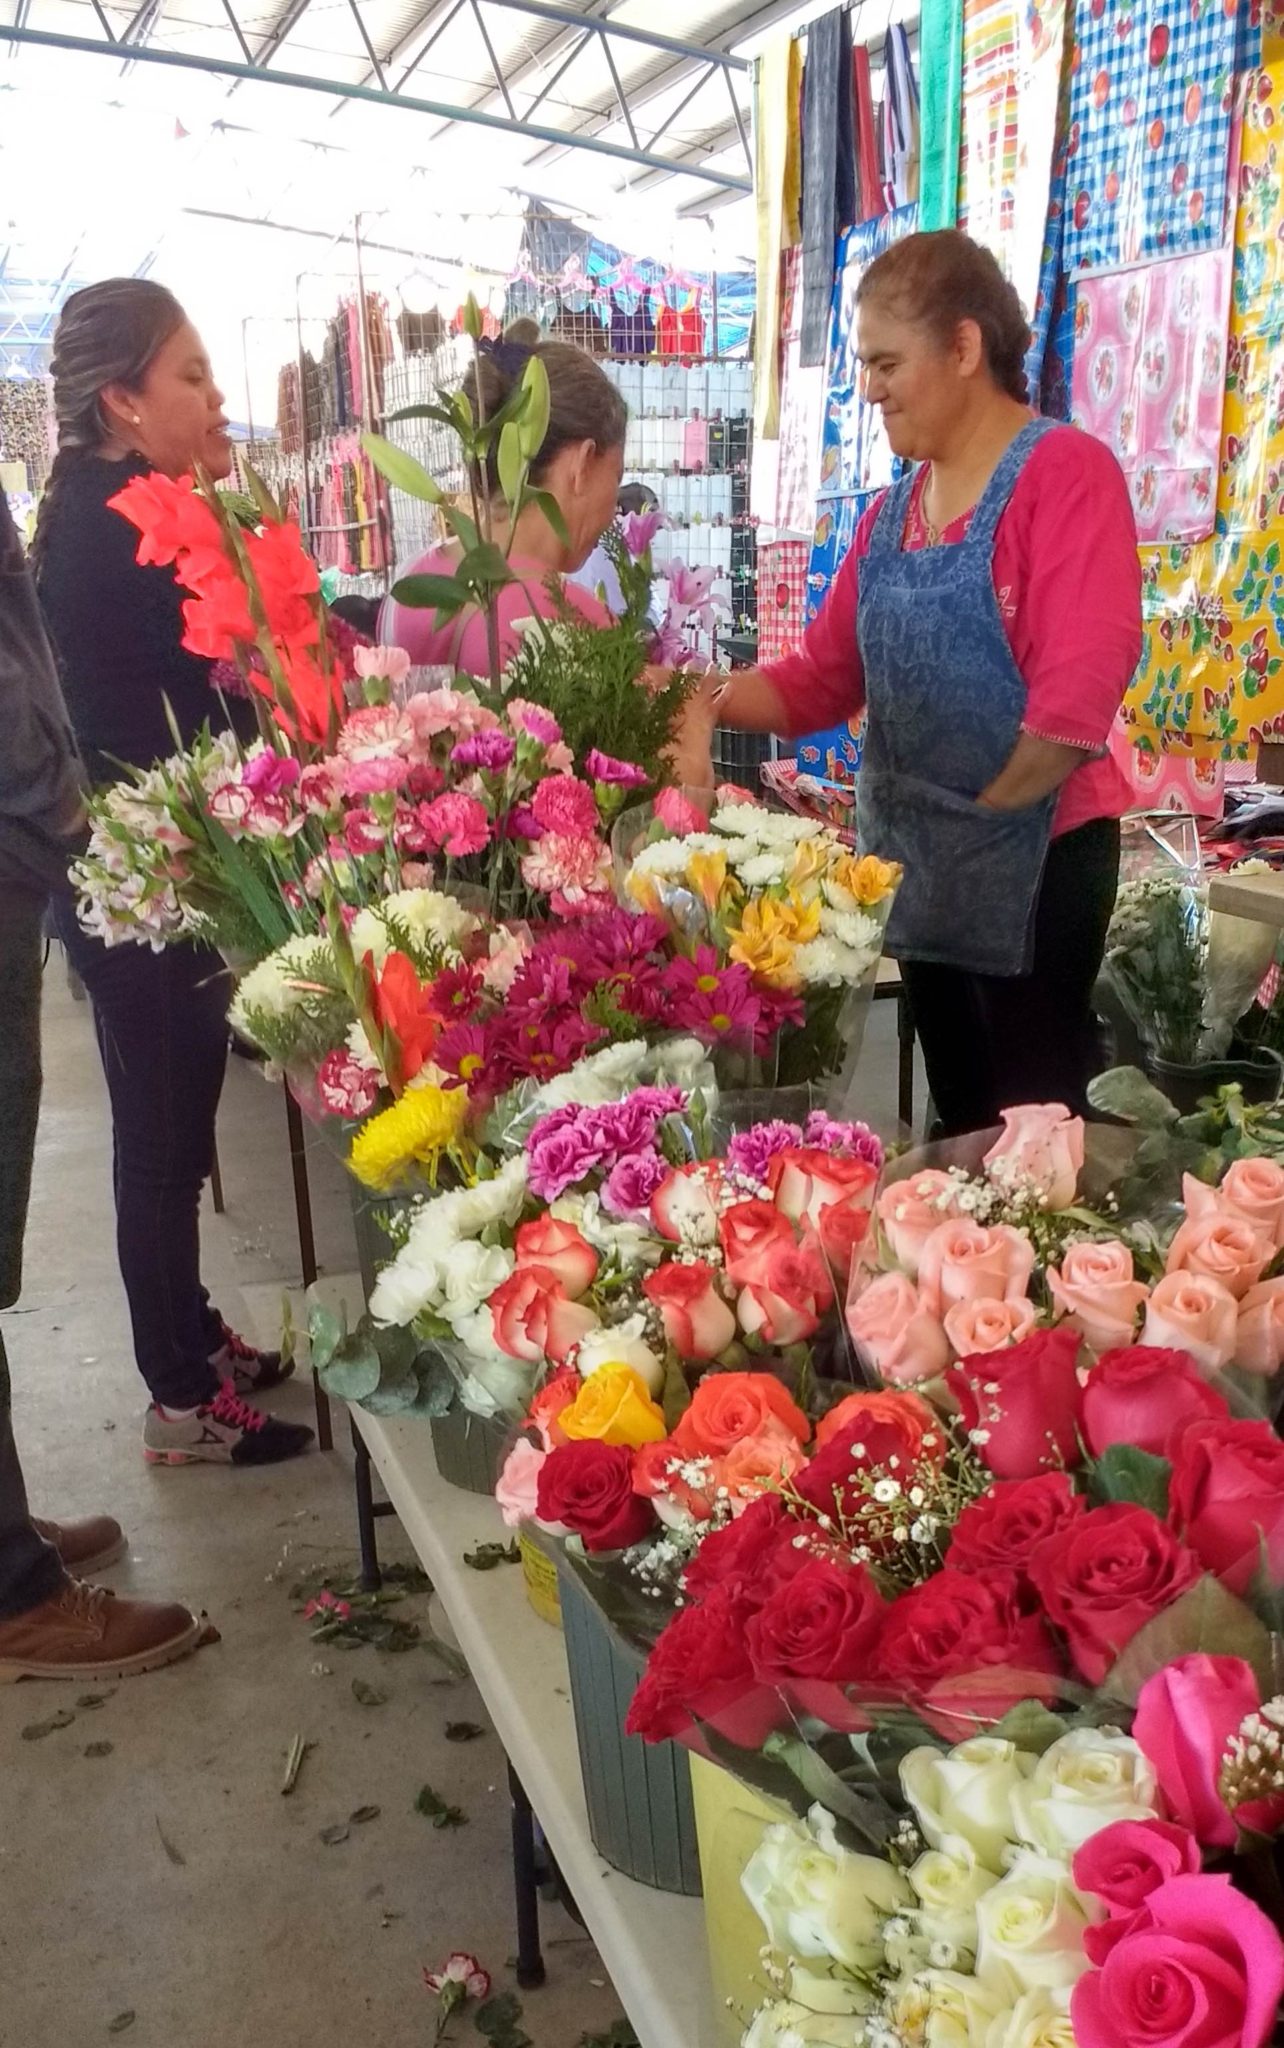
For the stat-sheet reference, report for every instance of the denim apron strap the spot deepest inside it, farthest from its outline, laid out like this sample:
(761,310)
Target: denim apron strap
(945,703)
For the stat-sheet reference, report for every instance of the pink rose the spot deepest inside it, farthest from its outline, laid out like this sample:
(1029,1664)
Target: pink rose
(1124,1863)
(910,1210)
(1021,1406)
(1098,1291)
(1186,1715)
(1144,1397)
(562,1251)
(974,1262)
(1190,1312)
(697,1321)
(1227,1498)
(1221,1247)
(517,1488)
(891,1327)
(975,1327)
(1200,1966)
(533,1319)
(1041,1147)
(1259,1334)
(1254,1188)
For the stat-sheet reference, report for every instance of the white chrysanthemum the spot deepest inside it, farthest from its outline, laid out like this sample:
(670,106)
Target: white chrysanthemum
(426,914)
(665,857)
(269,986)
(851,928)
(765,828)
(765,870)
(472,1273)
(739,850)
(826,961)
(681,1063)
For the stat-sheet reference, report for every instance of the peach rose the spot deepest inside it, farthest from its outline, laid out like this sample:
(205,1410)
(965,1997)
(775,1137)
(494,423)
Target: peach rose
(974,1262)
(765,1459)
(1191,1312)
(1259,1337)
(910,1210)
(1096,1289)
(1255,1189)
(886,1425)
(974,1327)
(1224,1247)
(901,1340)
(1041,1146)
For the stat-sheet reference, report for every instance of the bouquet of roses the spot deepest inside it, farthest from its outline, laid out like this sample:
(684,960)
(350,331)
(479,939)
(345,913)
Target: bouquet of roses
(783,896)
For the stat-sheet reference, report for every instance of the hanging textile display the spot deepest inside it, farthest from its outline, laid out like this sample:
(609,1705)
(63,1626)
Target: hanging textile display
(1012,60)
(778,189)
(1211,679)
(1149,372)
(900,121)
(1043,314)
(940,43)
(782,592)
(871,195)
(802,400)
(829,181)
(1150,130)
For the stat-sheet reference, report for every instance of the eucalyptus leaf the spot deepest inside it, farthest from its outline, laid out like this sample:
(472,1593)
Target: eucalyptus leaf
(353,1372)
(437,1387)
(401,470)
(1126,1092)
(326,1331)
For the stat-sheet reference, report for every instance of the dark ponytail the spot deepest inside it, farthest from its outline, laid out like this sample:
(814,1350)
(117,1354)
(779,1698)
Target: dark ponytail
(584,405)
(110,333)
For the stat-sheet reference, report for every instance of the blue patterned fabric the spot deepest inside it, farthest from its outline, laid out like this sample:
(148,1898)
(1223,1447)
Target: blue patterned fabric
(945,700)
(1150,124)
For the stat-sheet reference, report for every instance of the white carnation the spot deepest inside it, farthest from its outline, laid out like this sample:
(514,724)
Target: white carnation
(472,1273)
(269,987)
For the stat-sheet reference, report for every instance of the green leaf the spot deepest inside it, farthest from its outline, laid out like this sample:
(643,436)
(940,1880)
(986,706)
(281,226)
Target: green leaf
(1125,1092)
(441,413)
(401,470)
(675,1395)
(326,1331)
(498,2021)
(437,1387)
(1206,1620)
(472,318)
(1124,1473)
(431,593)
(434,1808)
(353,1372)
(552,511)
(1031,1726)
(512,466)
(535,413)
(485,567)
(867,1813)
(488,1555)
(262,496)
(368,1695)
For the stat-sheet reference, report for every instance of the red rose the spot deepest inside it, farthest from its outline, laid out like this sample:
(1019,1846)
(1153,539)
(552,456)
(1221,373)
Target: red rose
(697,1321)
(747,1230)
(1106,1576)
(1227,1498)
(588,1489)
(961,1651)
(885,1433)
(533,1318)
(787,1296)
(700,1671)
(1002,1530)
(735,1555)
(561,1250)
(816,1632)
(1021,1406)
(1143,1396)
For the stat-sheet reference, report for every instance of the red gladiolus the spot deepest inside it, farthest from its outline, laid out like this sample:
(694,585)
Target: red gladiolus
(402,1008)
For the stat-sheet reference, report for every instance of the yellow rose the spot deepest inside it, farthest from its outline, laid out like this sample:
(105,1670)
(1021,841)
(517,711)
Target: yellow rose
(762,942)
(425,1122)
(614,1407)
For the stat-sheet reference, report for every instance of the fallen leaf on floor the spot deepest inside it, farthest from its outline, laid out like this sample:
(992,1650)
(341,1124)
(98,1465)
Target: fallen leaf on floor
(434,1808)
(89,1700)
(176,1856)
(367,1695)
(335,1833)
(361,1814)
(488,1555)
(619,2034)
(463,1731)
(498,2021)
(99,1748)
(447,1656)
(36,1731)
(209,1634)
(121,2021)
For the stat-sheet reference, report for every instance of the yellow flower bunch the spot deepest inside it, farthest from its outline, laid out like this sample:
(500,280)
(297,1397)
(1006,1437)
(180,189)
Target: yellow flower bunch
(769,933)
(867,879)
(614,1406)
(421,1125)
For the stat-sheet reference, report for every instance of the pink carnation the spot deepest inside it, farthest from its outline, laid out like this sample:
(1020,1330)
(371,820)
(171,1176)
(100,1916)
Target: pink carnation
(374,729)
(362,831)
(622,774)
(457,824)
(230,805)
(270,774)
(432,712)
(372,774)
(571,870)
(566,805)
(346,1087)
(533,721)
(318,790)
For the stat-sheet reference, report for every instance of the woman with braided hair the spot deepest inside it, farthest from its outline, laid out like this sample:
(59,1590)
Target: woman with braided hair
(133,392)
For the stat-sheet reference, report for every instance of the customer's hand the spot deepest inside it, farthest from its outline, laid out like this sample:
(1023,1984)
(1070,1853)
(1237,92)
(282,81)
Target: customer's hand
(689,753)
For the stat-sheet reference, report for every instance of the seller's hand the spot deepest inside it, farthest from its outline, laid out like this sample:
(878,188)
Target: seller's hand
(689,753)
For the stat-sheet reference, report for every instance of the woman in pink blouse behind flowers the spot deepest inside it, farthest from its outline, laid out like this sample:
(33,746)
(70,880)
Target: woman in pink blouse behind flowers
(580,462)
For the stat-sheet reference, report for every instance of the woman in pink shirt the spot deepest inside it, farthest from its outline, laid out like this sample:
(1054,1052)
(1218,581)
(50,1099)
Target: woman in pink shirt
(987,621)
(580,463)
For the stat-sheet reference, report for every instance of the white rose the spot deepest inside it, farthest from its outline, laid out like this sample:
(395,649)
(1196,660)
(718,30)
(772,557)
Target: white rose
(787,2025)
(968,1793)
(948,1882)
(634,1245)
(1031,1929)
(497,1386)
(816,1898)
(473,1272)
(1088,1779)
(621,1344)
(944,2009)
(1035,2021)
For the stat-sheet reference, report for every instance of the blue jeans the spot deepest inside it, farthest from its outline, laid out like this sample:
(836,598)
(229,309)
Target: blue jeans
(161,1022)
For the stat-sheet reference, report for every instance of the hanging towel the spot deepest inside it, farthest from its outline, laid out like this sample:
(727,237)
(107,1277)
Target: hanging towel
(941,70)
(778,186)
(829,172)
(900,121)
(869,174)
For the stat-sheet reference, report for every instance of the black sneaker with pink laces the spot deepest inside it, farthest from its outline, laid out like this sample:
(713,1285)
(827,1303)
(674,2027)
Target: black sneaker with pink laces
(225,1431)
(250,1371)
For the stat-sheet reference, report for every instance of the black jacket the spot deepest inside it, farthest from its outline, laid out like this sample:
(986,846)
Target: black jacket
(40,797)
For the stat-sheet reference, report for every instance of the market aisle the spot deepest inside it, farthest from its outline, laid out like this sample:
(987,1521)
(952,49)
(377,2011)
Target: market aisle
(260,1932)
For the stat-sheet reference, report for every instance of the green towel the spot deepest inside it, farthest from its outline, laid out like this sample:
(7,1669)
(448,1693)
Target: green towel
(941,81)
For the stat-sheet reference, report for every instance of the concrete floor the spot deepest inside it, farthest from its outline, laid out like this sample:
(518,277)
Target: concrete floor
(168,1879)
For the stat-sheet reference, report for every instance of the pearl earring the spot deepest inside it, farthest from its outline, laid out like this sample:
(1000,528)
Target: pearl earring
(138,419)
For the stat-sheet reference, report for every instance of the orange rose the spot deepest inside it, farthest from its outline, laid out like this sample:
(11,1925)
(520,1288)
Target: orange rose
(729,1406)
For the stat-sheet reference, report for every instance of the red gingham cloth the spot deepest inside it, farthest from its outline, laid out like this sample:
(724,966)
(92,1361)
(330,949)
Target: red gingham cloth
(782,591)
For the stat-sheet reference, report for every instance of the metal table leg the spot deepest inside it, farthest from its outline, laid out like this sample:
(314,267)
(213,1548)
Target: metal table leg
(307,1244)
(367,1536)
(530,1959)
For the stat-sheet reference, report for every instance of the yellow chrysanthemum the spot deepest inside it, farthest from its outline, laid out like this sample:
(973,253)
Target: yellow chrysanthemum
(763,941)
(707,874)
(424,1123)
(614,1407)
(868,879)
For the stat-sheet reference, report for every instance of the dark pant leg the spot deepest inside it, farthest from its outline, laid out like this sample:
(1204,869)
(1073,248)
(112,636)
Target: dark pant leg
(949,1023)
(161,1020)
(29,1567)
(1042,1027)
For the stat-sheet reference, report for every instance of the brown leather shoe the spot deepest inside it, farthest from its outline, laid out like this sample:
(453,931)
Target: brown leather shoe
(85,1632)
(87,1545)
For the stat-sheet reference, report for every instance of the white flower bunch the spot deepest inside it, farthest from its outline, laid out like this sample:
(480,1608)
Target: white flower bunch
(765,828)
(669,857)
(442,1269)
(434,922)
(273,988)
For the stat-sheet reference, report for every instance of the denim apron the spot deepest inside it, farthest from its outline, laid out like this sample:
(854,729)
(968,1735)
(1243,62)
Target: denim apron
(945,701)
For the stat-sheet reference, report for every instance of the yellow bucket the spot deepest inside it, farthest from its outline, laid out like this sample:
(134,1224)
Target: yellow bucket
(540,1575)
(730,1818)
